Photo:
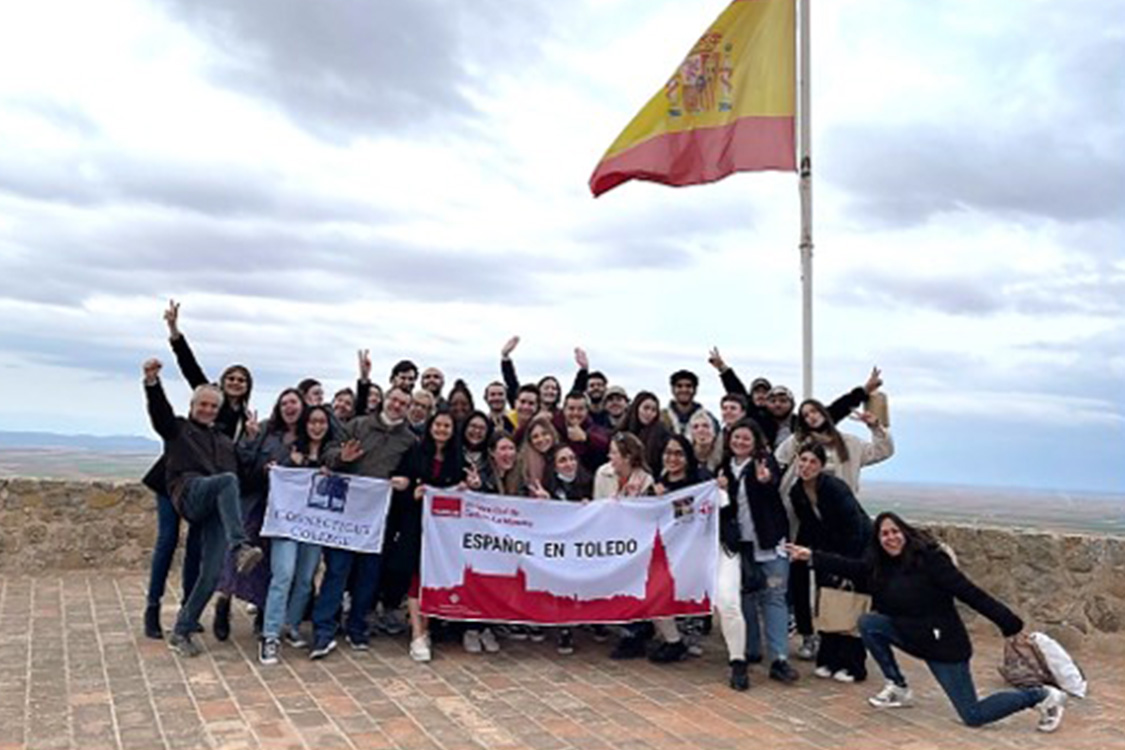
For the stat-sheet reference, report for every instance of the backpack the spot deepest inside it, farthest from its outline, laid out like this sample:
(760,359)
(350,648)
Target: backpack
(1064,670)
(1023,665)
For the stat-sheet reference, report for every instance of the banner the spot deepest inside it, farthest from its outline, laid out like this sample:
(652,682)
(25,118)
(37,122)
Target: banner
(552,562)
(332,510)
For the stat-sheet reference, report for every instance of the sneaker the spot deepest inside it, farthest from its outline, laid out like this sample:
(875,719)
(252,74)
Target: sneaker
(471,642)
(600,633)
(810,644)
(294,638)
(628,648)
(694,647)
(844,676)
(420,649)
(782,671)
(152,623)
(268,651)
(247,558)
(892,696)
(739,676)
(221,625)
(391,622)
(517,632)
(1051,709)
(489,642)
(184,645)
(358,644)
(823,672)
(536,634)
(564,642)
(322,649)
(667,653)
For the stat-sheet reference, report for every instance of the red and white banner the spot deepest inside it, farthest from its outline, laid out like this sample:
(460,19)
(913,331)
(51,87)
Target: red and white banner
(551,562)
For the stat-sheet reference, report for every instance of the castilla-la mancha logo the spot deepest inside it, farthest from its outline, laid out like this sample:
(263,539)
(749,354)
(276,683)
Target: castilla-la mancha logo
(702,83)
(446,506)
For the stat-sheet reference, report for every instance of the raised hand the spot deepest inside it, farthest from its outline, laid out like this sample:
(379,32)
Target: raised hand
(762,471)
(658,489)
(509,347)
(472,478)
(581,359)
(252,427)
(350,451)
(716,359)
(151,369)
(874,380)
(537,490)
(296,457)
(575,434)
(869,419)
(364,356)
(172,318)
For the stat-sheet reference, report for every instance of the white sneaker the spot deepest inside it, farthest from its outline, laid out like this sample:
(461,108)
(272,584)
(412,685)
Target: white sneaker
(488,641)
(892,696)
(1051,709)
(420,649)
(810,644)
(844,676)
(471,640)
(822,672)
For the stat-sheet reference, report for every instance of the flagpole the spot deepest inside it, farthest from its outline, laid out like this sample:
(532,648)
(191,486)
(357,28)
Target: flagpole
(804,161)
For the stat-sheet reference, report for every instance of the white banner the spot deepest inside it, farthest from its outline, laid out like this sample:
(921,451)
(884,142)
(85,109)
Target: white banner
(512,559)
(332,510)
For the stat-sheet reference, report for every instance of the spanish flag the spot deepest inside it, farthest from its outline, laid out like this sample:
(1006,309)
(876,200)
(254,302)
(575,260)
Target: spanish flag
(729,107)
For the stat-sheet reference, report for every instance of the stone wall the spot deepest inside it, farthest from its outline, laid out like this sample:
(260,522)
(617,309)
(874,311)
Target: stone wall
(1069,585)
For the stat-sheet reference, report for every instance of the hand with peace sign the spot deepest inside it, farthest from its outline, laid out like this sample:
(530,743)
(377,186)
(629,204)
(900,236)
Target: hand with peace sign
(364,356)
(172,318)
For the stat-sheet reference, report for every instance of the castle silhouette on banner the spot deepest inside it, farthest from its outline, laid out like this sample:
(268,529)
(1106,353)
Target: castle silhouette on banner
(484,596)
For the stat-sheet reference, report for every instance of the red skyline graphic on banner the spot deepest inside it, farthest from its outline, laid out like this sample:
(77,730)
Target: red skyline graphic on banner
(485,596)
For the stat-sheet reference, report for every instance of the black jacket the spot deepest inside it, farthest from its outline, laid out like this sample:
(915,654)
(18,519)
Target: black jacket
(190,449)
(837,410)
(919,598)
(838,524)
(229,421)
(771,524)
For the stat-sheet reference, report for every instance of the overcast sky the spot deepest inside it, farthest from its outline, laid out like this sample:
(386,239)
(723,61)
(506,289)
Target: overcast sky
(313,177)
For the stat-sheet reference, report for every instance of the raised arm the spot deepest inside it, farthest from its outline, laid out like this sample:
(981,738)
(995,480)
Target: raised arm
(856,397)
(730,380)
(159,410)
(508,370)
(881,446)
(363,383)
(185,358)
(582,377)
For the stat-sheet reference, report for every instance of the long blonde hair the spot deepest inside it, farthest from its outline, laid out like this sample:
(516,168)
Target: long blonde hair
(530,463)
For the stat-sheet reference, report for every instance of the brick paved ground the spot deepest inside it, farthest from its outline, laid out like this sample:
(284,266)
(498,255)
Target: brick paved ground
(76,671)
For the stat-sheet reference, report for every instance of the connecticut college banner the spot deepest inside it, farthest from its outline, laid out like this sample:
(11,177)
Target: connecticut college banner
(332,510)
(488,557)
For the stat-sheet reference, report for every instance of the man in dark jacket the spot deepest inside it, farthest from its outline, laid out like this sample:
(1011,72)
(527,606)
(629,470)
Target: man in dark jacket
(576,429)
(202,479)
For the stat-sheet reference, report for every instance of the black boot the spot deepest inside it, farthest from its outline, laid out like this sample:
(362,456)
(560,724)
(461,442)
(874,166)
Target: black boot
(152,622)
(221,626)
(739,677)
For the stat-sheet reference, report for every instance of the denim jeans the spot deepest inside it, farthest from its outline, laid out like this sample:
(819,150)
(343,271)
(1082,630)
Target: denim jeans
(167,539)
(338,565)
(292,567)
(771,603)
(212,504)
(879,635)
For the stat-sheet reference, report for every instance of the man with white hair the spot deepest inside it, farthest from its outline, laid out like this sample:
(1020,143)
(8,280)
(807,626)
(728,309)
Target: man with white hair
(202,478)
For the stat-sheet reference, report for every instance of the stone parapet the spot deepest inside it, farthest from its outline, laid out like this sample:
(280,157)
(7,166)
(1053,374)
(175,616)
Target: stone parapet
(1069,585)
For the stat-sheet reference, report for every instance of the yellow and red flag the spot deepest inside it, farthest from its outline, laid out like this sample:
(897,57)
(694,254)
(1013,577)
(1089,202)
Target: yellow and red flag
(729,107)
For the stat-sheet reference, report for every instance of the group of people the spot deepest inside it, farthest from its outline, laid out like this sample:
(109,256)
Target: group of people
(789,479)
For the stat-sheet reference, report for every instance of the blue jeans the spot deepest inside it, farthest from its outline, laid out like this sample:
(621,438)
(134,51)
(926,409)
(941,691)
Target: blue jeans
(879,635)
(292,567)
(771,603)
(212,504)
(338,565)
(167,539)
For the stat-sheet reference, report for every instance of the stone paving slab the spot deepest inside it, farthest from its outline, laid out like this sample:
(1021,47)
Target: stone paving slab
(77,672)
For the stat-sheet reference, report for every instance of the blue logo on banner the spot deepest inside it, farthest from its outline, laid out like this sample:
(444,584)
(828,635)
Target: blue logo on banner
(329,493)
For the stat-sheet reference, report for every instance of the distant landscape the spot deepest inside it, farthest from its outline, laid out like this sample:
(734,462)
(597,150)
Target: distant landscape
(127,458)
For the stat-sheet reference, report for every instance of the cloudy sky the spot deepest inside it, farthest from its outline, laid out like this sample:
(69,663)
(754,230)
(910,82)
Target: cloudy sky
(313,177)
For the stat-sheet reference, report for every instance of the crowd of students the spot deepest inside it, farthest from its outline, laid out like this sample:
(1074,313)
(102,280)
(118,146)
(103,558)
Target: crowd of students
(789,479)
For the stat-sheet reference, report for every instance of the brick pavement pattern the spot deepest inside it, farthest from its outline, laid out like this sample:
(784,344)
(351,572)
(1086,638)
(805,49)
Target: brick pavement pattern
(77,672)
